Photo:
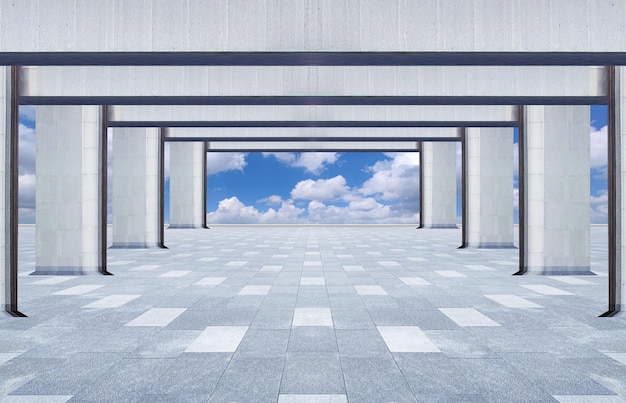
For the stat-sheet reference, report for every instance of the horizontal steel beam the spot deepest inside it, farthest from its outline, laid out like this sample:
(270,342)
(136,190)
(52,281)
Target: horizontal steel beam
(308,146)
(312,134)
(312,116)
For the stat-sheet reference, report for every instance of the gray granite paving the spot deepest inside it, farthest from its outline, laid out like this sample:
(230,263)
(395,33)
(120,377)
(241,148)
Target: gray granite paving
(277,314)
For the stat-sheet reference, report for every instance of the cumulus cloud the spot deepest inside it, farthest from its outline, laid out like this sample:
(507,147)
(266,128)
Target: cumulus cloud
(233,211)
(600,207)
(361,211)
(313,162)
(271,200)
(224,161)
(321,189)
(598,145)
(394,179)
(26,199)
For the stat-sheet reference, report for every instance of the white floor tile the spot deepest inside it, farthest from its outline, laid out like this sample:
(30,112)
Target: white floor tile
(120,262)
(210,281)
(146,267)
(468,317)
(237,263)
(4,357)
(255,290)
(479,267)
(271,268)
(370,290)
(35,398)
(312,263)
(312,399)
(157,317)
(312,317)
(589,398)
(571,280)
(353,268)
(449,273)
(406,339)
(513,301)
(505,262)
(546,289)
(207,259)
(388,263)
(218,339)
(79,289)
(54,280)
(112,301)
(620,357)
(418,259)
(312,281)
(175,273)
(414,281)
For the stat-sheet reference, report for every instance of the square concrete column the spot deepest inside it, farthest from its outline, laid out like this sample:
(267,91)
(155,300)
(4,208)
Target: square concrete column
(488,159)
(187,184)
(137,188)
(438,187)
(68,154)
(555,210)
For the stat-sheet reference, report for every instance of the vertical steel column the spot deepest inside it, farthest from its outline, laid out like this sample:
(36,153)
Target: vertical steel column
(421,188)
(521,181)
(464,171)
(161,156)
(12,154)
(104,159)
(614,276)
(204,186)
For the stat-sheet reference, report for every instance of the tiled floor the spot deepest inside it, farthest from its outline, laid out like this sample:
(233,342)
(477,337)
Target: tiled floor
(313,314)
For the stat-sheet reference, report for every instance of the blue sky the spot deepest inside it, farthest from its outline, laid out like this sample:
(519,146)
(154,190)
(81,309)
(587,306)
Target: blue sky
(347,187)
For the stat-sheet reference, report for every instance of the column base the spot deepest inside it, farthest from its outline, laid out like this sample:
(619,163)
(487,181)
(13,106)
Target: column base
(184,226)
(66,270)
(135,245)
(559,271)
(490,245)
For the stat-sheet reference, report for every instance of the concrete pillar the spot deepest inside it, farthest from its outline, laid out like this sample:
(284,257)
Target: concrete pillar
(68,192)
(488,174)
(137,188)
(438,187)
(556,197)
(187,184)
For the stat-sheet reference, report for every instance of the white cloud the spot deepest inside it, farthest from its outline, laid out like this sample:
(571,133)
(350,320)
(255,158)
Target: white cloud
(366,210)
(599,207)
(394,179)
(26,199)
(26,149)
(321,189)
(233,211)
(224,161)
(313,162)
(598,145)
(271,200)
